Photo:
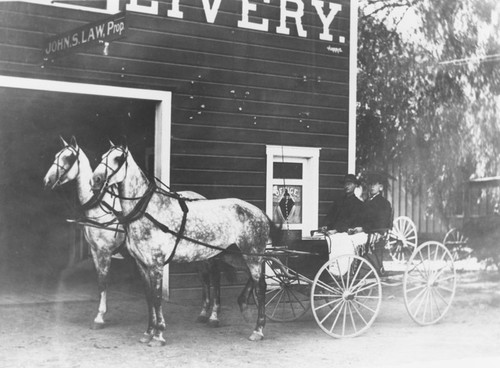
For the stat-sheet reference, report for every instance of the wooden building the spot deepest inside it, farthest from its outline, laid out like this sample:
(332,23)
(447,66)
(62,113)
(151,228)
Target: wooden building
(228,98)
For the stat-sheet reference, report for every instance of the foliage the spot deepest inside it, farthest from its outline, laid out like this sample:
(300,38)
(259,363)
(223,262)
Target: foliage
(428,87)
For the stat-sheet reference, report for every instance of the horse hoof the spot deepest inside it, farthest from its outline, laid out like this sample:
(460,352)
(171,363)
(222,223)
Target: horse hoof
(256,336)
(97,326)
(202,319)
(145,339)
(213,323)
(157,342)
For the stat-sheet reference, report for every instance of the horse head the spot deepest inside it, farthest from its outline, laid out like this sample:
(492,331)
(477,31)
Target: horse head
(65,167)
(112,169)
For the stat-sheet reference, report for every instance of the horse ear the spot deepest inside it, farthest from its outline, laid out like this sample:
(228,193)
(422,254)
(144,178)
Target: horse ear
(73,142)
(111,143)
(64,143)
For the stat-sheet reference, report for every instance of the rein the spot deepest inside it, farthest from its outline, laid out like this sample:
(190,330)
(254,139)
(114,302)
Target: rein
(140,208)
(179,235)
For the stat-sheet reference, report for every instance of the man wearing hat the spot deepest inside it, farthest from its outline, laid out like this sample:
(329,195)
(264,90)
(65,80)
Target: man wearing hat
(376,219)
(343,217)
(347,213)
(374,216)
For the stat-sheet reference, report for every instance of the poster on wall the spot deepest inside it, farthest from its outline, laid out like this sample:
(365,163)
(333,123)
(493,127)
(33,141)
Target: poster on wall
(287,204)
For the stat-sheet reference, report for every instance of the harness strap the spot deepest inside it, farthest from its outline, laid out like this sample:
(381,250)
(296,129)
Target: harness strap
(97,224)
(165,229)
(180,236)
(138,210)
(93,201)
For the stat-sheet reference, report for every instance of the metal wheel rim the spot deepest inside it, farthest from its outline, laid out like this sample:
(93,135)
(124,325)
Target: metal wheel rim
(346,306)
(429,283)
(403,238)
(286,299)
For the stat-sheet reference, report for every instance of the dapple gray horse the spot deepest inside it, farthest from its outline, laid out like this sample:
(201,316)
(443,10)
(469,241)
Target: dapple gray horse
(71,164)
(162,227)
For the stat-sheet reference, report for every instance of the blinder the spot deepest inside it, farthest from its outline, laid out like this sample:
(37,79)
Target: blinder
(67,164)
(121,160)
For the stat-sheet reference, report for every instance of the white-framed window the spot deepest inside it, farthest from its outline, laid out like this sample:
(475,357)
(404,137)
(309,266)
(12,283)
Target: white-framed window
(292,187)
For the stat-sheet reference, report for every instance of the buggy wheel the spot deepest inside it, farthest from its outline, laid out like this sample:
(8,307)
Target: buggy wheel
(346,295)
(402,239)
(456,242)
(287,293)
(429,283)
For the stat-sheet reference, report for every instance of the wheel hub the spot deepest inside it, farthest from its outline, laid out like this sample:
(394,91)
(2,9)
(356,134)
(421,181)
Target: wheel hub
(347,296)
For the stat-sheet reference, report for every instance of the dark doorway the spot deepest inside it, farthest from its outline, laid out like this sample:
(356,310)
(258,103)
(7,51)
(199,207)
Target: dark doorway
(34,234)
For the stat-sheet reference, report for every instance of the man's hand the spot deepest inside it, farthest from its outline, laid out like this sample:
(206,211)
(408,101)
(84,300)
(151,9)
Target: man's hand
(355,230)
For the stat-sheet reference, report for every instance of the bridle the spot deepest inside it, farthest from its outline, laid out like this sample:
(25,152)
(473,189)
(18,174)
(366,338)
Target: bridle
(122,160)
(62,170)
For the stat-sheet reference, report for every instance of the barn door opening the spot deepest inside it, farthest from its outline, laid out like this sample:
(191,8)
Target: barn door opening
(33,113)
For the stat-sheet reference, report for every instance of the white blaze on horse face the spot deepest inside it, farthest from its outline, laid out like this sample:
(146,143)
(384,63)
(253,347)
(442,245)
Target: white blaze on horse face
(63,170)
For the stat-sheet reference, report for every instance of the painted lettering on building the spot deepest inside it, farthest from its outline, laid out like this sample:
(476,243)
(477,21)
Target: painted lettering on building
(291,13)
(106,30)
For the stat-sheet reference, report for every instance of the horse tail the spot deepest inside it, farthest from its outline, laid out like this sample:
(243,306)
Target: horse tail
(275,233)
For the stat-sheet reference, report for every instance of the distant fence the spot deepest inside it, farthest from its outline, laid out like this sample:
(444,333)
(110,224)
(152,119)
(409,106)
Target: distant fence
(414,204)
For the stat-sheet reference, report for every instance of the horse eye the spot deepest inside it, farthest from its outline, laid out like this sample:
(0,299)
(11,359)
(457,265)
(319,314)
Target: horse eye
(70,159)
(120,159)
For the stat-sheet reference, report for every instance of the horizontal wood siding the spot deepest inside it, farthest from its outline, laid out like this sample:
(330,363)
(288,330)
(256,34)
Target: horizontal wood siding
(234,90)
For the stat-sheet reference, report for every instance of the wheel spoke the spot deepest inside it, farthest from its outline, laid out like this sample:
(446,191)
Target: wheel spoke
(277,294)
(359,314)
(350,303)
(445,301)
(340,304)
(418,269)
(418,295)
(365,306)
(416,288)
(327,287)
(279,302)
(428,301)
(434,299)
(422,299)
(286,300)
(366,286)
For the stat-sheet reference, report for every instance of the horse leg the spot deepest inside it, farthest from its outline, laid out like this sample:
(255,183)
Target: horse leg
(260,286)
(148,334)
(214,272)
(243,299)
(203,273)
(102,262)
(157,297)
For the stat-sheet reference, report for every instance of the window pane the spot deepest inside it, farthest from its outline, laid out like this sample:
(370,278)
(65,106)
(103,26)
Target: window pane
(287,170)
(287,204)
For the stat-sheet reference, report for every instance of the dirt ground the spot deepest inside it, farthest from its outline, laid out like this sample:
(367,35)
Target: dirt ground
(55,333)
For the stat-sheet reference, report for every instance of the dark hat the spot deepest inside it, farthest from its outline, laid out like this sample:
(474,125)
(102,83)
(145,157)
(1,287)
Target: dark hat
(350,178)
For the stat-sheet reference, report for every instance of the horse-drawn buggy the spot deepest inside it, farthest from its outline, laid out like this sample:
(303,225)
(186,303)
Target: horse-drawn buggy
(344,291)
